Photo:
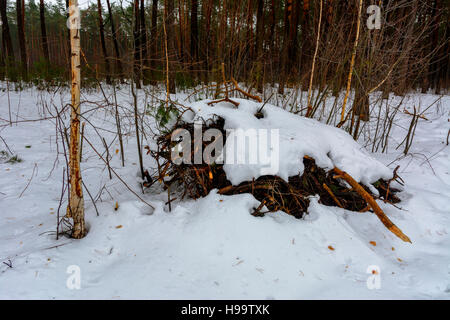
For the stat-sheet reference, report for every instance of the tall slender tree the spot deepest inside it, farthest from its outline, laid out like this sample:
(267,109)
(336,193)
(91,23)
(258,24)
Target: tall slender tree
(153,37)
(434,63)
(2,61)
(194,31)
(305,35)
(285,49)
(137,45)
(249,38)
(75,209)
(144,56)
(293,31)
(259,44)
(181,33)
(20,9)
(101,28)
(169,20)
(7,42)
(115,42)
(207,7)
(69,45)
(45,50)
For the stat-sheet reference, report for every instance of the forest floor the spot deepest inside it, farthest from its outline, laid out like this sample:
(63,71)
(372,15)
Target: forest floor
(211,248)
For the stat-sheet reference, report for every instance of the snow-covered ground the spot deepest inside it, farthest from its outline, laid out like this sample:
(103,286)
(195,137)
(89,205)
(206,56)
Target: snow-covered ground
(211,248)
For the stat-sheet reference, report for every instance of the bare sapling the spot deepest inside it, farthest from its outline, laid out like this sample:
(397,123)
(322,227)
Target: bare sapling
(352,64)
(308,113)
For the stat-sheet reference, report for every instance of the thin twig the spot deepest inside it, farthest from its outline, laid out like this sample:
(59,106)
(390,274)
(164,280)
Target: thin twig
(117,175)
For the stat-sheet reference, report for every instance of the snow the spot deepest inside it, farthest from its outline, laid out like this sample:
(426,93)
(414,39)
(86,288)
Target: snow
(298,137)
(213,248)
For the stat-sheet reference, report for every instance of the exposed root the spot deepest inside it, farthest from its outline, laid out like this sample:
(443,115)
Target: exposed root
(377,210)
(332,195)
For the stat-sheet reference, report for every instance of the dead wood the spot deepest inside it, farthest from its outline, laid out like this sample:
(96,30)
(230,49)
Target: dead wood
(274,193)
(227,90)
(370,200)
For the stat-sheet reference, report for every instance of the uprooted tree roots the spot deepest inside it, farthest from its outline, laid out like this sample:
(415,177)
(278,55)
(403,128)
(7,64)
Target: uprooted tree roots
(292,196)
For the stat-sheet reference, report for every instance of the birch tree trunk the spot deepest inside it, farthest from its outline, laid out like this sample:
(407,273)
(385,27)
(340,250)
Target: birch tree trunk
(75,209)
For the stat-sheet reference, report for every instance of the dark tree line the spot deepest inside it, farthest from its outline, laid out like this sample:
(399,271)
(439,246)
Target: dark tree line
(260,41)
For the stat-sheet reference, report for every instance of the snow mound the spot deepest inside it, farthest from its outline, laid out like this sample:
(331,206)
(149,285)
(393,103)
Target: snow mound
(298,137)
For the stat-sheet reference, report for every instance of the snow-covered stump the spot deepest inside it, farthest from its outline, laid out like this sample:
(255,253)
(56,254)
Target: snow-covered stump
(280,158)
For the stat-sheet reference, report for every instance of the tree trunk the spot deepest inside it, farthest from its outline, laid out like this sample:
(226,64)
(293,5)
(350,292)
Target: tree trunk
(259,45)
(153,36)
(2,61)
(20,9)
(305,32)
(181,38)
(194,32)
(207,12)
(102,41)
(6,38)
(285,50)
(405,84)
(44,35)
(75,209)
(293,33)
(434,63)
(144,57)
(249,40)
(137,45)
(69,49)
(116,45)
(170,28)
